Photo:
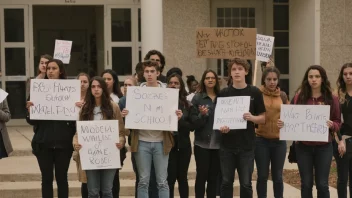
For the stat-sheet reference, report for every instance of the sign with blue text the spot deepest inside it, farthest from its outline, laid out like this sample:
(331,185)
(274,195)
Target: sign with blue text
(54,99)
(152,108)
(305,122)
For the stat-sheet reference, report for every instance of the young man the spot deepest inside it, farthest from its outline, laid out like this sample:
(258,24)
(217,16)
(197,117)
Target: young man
(151,146)
(158,57)
(237,146)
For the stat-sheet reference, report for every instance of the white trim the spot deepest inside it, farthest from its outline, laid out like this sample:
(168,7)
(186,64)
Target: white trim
(66,2)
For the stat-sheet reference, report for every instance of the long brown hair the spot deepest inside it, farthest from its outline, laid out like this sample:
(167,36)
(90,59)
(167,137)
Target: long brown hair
(341,85)
(89,105)
(306,91)
(182,91)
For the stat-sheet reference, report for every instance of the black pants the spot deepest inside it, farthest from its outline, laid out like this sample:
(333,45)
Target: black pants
(59,160)
(208,169)
(179,160)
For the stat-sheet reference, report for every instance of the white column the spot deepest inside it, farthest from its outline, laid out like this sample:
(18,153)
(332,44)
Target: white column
(152,25)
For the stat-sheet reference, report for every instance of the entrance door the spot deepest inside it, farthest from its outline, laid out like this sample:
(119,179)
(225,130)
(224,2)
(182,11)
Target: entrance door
(123,38)
(239,13)
(14,49)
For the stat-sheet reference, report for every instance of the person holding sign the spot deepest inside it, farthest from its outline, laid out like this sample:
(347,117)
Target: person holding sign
(237,146)
(269,148)
(98,106)
(180,154)
(113,84)
(52,142)
(315,90)
(206,140)
(343,161)
(151,146)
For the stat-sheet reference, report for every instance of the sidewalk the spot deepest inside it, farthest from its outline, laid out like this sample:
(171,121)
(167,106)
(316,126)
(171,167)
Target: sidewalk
(21,171)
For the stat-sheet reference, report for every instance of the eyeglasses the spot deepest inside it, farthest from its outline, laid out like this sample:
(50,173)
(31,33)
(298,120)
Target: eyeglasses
(155,60)
(208,78)
(175,83)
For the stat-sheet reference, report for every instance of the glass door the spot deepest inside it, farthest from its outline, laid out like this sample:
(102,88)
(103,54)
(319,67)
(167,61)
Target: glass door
(122,38)
(14,49)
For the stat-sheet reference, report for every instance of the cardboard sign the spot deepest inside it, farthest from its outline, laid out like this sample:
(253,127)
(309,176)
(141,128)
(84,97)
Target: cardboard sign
(63,50)
(229,112)
(305,122)
(264,47)
(98,139)
(152,108)
(226,43)
(54,99)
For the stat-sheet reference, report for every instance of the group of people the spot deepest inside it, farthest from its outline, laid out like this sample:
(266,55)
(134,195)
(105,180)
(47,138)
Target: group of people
(160,158)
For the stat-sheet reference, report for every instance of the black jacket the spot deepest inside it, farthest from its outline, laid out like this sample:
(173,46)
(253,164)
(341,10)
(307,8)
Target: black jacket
(52,134)
(184,128)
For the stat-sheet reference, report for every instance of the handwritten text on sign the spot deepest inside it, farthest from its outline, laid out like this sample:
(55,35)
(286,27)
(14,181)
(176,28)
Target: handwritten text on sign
(305,122)
(98,140)
(264,47)
(226,43)
(63,50)
(152,108)
(229,112)
(54,99)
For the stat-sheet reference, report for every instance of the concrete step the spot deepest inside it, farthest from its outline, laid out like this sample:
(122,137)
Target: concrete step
(33,189)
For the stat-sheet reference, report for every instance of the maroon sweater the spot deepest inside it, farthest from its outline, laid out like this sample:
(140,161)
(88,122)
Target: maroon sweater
(335,116)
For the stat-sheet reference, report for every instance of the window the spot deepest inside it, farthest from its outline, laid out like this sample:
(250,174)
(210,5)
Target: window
(233,17)
(282,46)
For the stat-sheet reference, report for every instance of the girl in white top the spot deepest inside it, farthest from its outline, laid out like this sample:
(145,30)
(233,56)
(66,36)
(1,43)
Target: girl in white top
(112,82)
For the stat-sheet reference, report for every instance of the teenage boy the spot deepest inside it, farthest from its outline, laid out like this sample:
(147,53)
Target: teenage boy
(158,57)
(237,146)
(151,146)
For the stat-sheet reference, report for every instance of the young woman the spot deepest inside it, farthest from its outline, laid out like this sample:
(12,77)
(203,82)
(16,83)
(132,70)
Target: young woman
(98,106)
(54,150)
(192,84)
(84,78)
(113,84)
(315,90)
(344,161)
(5,142)
(269,148)
(206,140)
(180,154)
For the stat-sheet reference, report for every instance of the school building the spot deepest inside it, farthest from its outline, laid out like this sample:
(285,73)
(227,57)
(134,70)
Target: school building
(117,34)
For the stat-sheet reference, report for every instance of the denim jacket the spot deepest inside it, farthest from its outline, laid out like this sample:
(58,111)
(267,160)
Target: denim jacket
(205,136)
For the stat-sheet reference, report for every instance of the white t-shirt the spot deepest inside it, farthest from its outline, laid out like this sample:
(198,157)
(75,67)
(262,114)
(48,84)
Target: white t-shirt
(115,98)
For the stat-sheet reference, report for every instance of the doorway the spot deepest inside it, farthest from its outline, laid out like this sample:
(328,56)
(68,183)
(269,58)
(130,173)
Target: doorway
(83,25)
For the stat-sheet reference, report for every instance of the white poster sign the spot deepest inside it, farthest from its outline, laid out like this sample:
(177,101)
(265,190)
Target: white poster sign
(54,99)
(63,50)
(3,95)
(152,108)
(305,122)
(264,47)
(229,112)
(98,139)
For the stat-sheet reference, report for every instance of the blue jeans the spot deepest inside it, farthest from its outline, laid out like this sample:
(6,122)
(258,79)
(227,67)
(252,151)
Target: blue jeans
(344,170)
(100,180)
(243,161)
(148,153)
(317,158)
(270,152)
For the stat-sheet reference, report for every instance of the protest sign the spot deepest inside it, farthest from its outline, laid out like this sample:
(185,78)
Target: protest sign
(264,47)
(98,139)
(152,108)
(226,43)
(54,99)
(3,95)
(229,112)
(305,122)
(63,50)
